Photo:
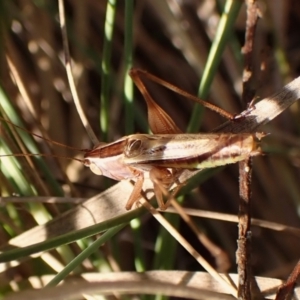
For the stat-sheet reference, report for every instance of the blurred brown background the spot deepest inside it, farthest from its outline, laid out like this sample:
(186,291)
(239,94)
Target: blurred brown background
(171,40)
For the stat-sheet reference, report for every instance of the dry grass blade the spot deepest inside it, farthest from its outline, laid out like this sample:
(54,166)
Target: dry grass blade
(232,218)
(77,103)
(200,259)
(265,110)
(110,288)
(183,281)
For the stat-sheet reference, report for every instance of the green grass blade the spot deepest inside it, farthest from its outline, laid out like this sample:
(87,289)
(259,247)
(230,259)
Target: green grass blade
(106,67)
(223,33)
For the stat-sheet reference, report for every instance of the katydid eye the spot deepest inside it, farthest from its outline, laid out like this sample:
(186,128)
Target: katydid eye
(133,148)
(95,169)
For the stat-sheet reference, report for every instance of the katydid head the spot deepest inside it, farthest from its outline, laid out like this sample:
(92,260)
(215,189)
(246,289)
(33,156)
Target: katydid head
(111,167)
(108,160)
(104,159)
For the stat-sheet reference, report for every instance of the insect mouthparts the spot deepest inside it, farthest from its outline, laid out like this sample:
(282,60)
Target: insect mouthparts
(86,162)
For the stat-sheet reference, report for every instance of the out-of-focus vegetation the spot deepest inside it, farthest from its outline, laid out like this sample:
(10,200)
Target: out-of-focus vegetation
(171,39)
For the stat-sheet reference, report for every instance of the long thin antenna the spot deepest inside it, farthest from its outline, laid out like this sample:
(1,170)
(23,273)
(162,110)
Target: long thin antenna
(41,154)
(43,138)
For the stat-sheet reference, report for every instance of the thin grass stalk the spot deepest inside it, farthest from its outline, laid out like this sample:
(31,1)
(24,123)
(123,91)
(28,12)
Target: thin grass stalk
(69,71)
(30,144)
(77,261)
(139,259)
(224,30)
(129,119)
(128,53)
(164,240)
(106,67)
(69,237)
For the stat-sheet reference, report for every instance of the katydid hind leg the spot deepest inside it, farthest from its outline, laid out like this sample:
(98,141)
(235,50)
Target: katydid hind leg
(173,194)
(159,121)
(136,75)
(159,194)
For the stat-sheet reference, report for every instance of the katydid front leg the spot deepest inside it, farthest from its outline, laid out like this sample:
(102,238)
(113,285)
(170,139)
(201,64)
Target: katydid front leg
(162,179)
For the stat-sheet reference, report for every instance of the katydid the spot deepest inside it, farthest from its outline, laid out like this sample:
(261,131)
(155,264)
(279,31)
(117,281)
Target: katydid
(166,153)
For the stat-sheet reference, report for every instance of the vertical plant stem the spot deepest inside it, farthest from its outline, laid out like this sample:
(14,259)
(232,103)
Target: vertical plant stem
(128,84)
(245,167)
(244,240)
(227,20)
(105,67)
(83,118)
(139,260)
